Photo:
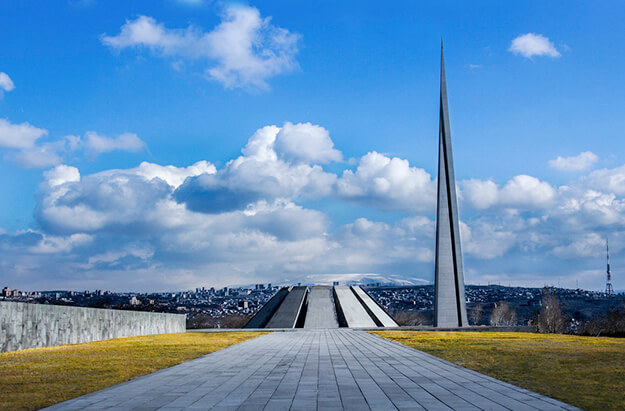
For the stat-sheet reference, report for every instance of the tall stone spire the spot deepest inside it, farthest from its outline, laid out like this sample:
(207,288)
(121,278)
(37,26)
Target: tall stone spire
(449,299)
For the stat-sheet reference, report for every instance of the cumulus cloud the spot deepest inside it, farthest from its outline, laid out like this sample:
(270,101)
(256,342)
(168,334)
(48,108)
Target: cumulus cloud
(582,162)
(6,83)
(388,183)
(486,240)
(589,245)
(244,50)
(306,143)
(60,175)
(114,199)
(531,44)
(53,244)
(159,227)
(95,144)
(525,191)
(607,180)
(26,149)
(115,257)
(480,194)
(41,156)
(21,135)
(174,176)
(261,173)
(586,208)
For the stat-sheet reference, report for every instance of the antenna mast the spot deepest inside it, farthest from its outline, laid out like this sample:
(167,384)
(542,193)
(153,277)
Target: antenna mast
(608,285)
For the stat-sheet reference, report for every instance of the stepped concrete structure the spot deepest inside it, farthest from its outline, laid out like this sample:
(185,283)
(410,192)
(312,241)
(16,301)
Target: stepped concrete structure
(297,308)
(334,369)
(449,297)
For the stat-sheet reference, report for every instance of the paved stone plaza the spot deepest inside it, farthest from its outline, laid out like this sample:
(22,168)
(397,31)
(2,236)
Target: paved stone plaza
(315,370)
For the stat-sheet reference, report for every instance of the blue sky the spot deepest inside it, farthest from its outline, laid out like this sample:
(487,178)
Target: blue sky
(98,98)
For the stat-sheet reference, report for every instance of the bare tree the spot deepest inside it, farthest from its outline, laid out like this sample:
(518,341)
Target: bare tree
(611,324)
(408,318)
(551,318)
(502,314)
(207,321)
(476,314)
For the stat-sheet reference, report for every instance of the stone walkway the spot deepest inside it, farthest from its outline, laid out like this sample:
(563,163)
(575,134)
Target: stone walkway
(315,370)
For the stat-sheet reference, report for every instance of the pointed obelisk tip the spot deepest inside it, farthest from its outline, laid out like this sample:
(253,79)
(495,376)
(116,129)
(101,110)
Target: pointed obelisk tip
(442,55)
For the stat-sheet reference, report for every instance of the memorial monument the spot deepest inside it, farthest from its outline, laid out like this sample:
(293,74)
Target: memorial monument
(449,299)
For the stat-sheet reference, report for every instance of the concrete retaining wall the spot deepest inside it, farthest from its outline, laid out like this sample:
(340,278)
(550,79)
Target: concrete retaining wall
(289,311)
(37,325)
(262,317)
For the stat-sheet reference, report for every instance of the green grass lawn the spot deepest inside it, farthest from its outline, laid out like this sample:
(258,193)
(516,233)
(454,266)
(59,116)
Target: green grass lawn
(39,377)
(587,372)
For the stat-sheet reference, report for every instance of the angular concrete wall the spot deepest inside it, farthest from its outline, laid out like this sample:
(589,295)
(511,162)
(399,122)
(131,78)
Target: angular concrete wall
(350,311)
(374,309)
(289,311)
(37,325)
(262,317)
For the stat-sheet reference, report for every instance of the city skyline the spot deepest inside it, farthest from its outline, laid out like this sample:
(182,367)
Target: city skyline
(168,145)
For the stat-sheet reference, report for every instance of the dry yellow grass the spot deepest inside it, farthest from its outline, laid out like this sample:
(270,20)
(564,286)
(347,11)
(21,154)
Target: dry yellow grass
(587,372)
(39,377)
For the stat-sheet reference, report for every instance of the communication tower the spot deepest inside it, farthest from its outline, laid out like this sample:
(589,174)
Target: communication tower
(608,284)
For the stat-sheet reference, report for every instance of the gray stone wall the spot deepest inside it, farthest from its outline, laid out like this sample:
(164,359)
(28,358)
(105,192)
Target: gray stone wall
(36,325)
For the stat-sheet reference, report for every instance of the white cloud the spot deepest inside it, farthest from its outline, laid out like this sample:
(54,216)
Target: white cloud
(260,174)
(30,153)
(174,176)
(111,257)
(581,162)
(486,240)
(19,135)
(589,245)
(248,49)
(41,156)
(388,183)
(60,175)
(607,180)
(53,244)
(95,144)
(306,143)
(244,50)
(165,227)
(525,191)
(6,83)
(586,208)
(531,44)
(480,194)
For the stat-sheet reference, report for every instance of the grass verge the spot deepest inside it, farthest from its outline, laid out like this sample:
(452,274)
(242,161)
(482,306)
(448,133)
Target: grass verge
(39,377)
(583,371)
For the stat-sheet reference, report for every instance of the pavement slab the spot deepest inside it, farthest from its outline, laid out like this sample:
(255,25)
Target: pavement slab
(317,369)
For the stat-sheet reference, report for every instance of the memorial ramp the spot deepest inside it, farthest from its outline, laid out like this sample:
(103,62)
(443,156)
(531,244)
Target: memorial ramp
(261,318)
(291,310)
(349,310)
(320,311)
(379,315)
